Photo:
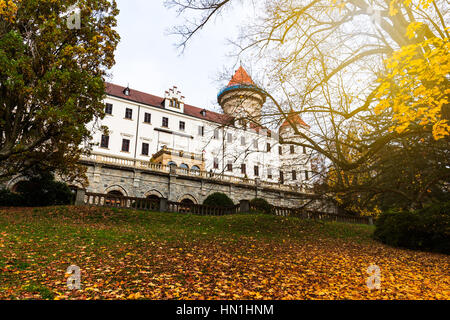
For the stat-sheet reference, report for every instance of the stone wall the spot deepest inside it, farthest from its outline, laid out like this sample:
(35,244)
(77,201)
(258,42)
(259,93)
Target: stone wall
(174,187)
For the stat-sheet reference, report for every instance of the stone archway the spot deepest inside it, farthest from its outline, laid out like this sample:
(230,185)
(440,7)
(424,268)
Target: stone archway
(189,199)
(155,197)
(118,189)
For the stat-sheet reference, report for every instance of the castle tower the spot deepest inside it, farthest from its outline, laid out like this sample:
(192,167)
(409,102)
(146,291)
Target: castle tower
(242,99)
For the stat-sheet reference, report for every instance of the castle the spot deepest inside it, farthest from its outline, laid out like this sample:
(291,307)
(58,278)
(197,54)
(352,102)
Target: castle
(167,131)
(162,147)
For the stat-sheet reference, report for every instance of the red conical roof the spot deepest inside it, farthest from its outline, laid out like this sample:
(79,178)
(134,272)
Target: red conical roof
(241,77)
(295,119)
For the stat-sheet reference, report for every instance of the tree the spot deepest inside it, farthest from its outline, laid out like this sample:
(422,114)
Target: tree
(370,76)
(51,80)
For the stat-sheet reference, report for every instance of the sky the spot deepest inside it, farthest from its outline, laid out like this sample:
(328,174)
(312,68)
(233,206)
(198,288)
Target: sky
(148,60)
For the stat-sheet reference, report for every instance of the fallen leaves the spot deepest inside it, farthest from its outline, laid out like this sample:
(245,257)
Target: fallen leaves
(145,263)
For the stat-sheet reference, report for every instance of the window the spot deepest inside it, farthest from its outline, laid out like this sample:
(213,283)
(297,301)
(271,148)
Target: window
(243,168)
(145,149)
(280,150)
(165,122)
(256,171)
(108,109)
(269,173)
(292,149)
(201,131)
(125,145)
(229,137)
(128,113)
(255,144)
(281,177)
(294,175)
(105,142)
(306,175)
(242,141)
(182,125)
(174,103)
(216,133)
(216,163)
(268,147)
(304,150)
(147,118)
(230,166)
(269,134)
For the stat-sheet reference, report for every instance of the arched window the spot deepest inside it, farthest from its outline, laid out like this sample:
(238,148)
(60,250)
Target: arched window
(171,163)
(195,168)
(184,166)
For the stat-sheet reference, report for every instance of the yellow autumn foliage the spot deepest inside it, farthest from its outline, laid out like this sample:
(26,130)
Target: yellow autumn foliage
(416,83)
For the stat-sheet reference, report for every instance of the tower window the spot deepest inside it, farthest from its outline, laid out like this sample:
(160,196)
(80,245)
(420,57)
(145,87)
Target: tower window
(125,145)
(165,122)
(294,175)
(104,142)
(201,131)
(128,113)
(182,125)
(147,118)
(256,171)
(216,163)
(145,149)
(304,149)
(268,147)
(269,173)
(292,149)
(280,150)
(108,108)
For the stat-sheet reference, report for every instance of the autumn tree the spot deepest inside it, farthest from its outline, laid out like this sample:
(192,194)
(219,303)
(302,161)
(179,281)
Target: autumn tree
(371,78)
(54,55)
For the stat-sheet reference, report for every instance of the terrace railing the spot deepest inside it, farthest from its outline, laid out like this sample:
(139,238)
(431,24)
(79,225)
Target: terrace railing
(109,200)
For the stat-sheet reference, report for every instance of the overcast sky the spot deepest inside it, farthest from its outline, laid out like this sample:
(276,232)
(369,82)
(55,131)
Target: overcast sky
(148,60)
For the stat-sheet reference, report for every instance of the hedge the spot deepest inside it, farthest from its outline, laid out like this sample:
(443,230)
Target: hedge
(425,229)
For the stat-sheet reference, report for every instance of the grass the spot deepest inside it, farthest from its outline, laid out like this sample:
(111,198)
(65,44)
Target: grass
(139,254)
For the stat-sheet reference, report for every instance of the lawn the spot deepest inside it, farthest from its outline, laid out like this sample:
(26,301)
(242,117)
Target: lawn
(127,254)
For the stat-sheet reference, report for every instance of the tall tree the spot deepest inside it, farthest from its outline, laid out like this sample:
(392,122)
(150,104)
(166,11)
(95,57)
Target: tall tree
(54,55)
(371,76)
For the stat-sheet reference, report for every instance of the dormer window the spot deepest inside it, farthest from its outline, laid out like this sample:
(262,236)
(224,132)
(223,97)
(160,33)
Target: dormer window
(203,113)
(126,91)
(174,103)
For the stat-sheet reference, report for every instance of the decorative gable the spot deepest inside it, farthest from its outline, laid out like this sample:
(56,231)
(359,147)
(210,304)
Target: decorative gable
(173,100)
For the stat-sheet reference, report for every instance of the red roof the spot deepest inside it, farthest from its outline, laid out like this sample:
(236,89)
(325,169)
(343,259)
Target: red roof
(155,101)
(295,119)
(241,77)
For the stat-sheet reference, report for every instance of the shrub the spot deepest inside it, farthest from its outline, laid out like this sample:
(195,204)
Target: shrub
(261,205)
(10,199)
(43,190)
(424,229)
(218,200)
(40,189)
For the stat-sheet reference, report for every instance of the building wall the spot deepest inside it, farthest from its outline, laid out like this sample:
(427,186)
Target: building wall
(138,183)
(214,145)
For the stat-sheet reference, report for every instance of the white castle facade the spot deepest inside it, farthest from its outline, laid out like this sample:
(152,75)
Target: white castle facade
(169,132)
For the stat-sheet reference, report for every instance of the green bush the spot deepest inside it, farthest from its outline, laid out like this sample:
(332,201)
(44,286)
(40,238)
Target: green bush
(39,190)
(261,205)
(218,200)
(425,229)
(10,199)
